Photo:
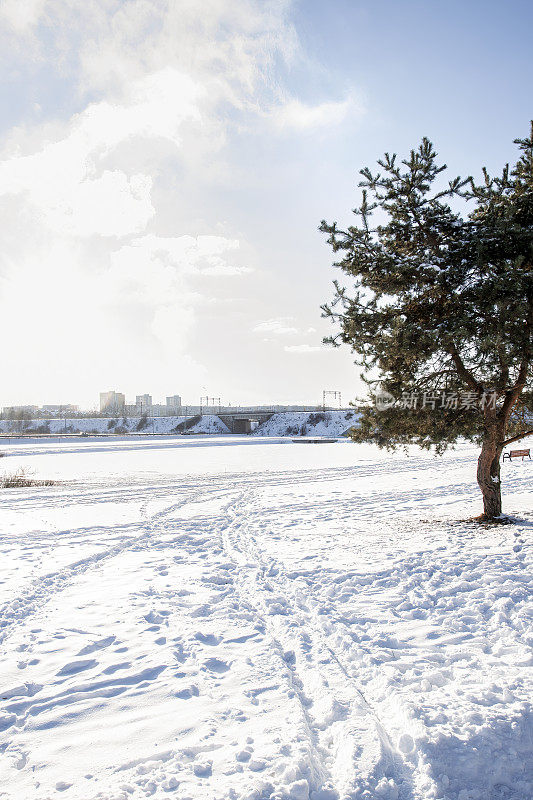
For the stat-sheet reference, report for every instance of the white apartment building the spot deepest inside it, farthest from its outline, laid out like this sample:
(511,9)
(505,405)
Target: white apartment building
(173,403)
(144,403)
(112,402)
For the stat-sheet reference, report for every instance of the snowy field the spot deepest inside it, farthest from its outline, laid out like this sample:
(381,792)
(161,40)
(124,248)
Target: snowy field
(251,618)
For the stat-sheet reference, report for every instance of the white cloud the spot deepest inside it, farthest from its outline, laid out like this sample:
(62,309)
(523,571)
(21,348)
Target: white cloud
(108,262)
(84,260)
(156,272)
(21,15)
(279,326)
(302,348)
(299,116)
(112,204)
(64,179)
(232,47)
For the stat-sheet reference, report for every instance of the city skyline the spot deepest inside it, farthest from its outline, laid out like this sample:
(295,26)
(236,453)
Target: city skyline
(112,400)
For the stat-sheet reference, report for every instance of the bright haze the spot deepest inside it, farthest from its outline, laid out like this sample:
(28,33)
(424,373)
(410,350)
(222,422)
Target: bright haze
(165,165)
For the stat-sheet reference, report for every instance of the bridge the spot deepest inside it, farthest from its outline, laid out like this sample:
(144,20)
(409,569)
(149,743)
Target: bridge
(242,419)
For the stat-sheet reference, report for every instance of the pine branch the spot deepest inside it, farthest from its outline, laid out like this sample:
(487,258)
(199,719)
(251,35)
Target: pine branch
(517,438)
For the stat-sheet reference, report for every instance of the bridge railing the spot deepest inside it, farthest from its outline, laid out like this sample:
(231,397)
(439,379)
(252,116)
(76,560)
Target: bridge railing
(228,410)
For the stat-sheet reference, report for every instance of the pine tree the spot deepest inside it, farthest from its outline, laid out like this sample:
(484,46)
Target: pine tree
(441,312)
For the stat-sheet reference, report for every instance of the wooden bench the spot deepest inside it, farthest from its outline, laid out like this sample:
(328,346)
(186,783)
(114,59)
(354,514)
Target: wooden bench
(517,454)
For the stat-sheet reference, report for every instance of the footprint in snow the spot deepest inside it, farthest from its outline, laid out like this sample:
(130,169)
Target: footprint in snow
(115,667)
(22,760)
(170,783)
(201,611)
(156,618)
(26,690)
(98,645)
(7,720)
(186,694)
(256,765)
(243,638)
(289,657)
(406,743)
(216,665)
(180,653)
(203,769)
(208,638)
(73,667)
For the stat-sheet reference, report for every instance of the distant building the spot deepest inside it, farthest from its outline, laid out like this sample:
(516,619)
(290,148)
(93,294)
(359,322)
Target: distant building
(144,403)
(65,408)
(17,412)
(173,404)
(112,402)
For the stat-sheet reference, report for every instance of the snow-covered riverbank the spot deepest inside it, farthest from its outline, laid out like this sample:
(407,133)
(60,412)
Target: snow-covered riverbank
(291,423)
(247,618)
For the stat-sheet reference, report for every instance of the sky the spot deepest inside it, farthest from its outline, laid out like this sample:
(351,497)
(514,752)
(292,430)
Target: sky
(165,164)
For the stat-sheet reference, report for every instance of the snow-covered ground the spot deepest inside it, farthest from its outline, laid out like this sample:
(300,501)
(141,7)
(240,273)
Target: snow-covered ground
(304,423)
(238,617)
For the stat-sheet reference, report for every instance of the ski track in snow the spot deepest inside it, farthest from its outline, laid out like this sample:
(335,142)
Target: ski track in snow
(41,589)
(344,717)
(323,633)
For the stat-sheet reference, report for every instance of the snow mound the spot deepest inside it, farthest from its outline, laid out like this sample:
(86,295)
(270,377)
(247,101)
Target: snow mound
(305,423)
(208,423)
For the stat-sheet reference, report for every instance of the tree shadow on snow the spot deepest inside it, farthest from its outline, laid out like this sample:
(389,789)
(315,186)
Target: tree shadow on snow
(495,763)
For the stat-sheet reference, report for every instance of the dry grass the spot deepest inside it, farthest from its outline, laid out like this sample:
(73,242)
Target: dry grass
(21,479)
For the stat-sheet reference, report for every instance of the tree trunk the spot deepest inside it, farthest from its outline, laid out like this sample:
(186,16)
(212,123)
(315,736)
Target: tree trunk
(488,471)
